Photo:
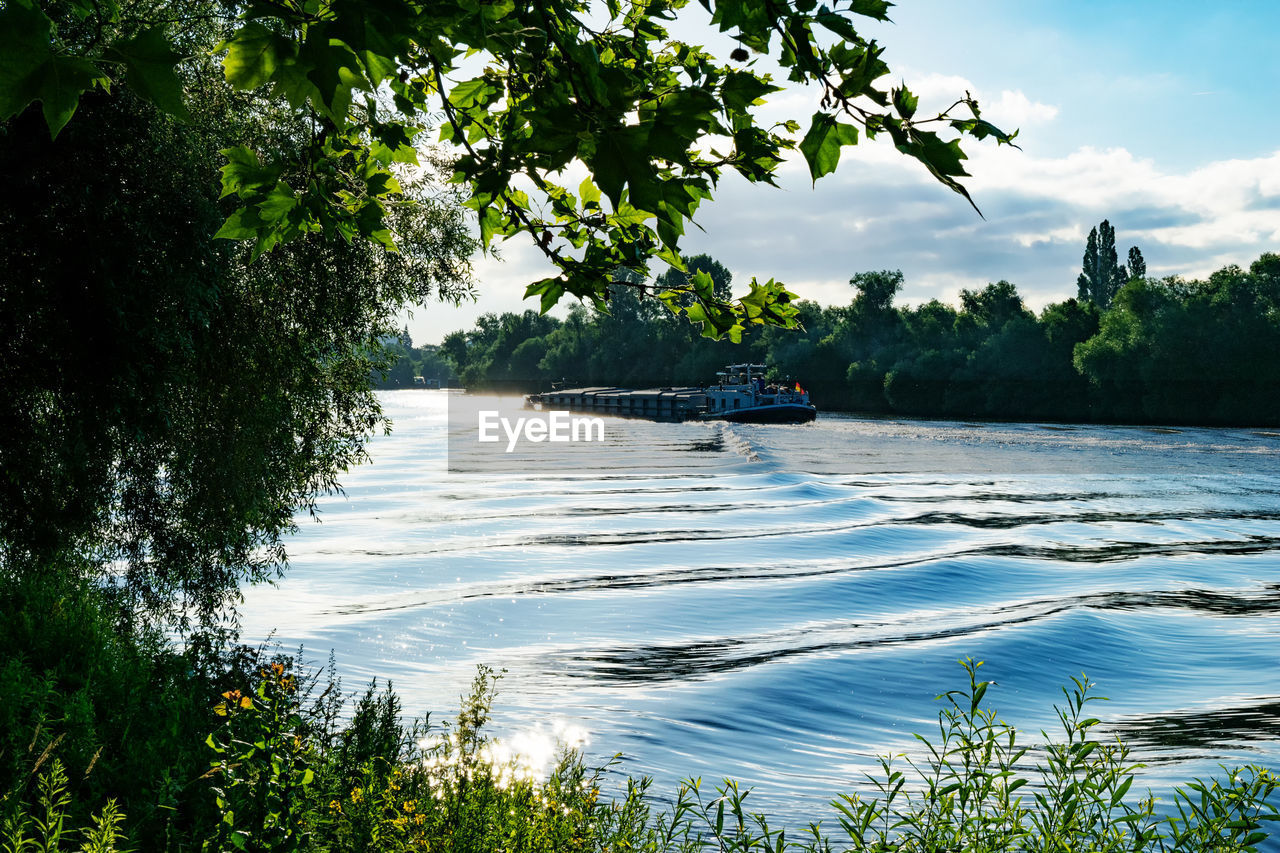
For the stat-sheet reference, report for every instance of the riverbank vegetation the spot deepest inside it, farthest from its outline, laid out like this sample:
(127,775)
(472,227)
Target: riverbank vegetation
(1150,350)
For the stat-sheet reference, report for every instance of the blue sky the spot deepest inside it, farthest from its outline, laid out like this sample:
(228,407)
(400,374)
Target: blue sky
(1178,81)
(1160,116)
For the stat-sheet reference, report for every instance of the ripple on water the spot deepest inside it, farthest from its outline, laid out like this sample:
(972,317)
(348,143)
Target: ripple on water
(781,604)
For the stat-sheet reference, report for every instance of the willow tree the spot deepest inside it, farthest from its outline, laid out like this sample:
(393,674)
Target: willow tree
(169,405)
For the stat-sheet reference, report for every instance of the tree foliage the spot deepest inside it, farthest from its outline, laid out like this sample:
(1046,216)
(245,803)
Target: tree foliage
(168,405)
(1166,350)
(1103,275)
(1137,264)
(526,91)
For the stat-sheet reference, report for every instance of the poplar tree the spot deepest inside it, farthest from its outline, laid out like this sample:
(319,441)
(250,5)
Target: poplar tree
(1137,264)
(1102,275)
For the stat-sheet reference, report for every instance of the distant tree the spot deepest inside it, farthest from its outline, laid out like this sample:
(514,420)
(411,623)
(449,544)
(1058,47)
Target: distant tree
(400,374)
(1137,265)
(569,347)
(720,274)
(876,290)
(432,364)
(455,348)
(994,305)
(1103,275)
(1065,325)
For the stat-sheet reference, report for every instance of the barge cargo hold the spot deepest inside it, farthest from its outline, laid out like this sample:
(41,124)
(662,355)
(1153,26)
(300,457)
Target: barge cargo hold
(658,404)
(740,396)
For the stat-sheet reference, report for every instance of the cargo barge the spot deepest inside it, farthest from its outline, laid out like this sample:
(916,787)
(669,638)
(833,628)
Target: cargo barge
(741,395)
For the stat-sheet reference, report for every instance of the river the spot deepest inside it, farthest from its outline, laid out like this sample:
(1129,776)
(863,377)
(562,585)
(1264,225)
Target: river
(781,604)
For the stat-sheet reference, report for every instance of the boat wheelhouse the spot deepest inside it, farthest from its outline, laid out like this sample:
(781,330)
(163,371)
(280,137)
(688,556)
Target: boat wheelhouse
(743,395)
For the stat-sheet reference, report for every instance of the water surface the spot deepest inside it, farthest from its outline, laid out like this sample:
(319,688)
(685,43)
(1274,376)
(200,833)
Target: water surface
(781,604)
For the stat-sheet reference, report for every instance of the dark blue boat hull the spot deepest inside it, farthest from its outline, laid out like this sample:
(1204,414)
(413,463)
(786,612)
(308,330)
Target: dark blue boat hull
(786,413)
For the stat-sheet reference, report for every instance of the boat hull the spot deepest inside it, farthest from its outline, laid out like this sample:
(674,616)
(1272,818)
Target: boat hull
(785,413)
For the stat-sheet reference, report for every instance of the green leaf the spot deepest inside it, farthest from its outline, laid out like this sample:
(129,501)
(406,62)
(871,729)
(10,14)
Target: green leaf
(703,285)
(980,128)
(742,88)
(30,70)
(149,60)
(878,9)
(243,224)
(621,160)
(251,56)
(905,102)
(244,174)
(1121,791)
(334,70)
(25,33)
(63,80)
(628,215)
(278,203)
(491,222)
(821,145)
(944,157)
(469,93)
(589,193)
(550,289)
(838,24)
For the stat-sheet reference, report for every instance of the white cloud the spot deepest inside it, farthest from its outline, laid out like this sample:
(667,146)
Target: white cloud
(1009,110)
(882,211)
(1014,109)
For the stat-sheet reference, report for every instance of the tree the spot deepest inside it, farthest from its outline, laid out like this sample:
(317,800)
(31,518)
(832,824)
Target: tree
(169,405)
(678,279)
(994,305)
(1101,277)
(525,89)
(1137,265)
(876,290)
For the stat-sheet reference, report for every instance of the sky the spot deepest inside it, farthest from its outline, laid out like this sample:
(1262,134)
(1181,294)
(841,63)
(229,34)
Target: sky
(1158,116)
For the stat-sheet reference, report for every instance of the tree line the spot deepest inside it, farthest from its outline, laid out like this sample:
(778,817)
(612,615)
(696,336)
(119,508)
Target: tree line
(1146,350)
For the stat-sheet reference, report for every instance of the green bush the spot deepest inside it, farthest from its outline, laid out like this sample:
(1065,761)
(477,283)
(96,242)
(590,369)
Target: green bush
(973,792)
(123,713)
